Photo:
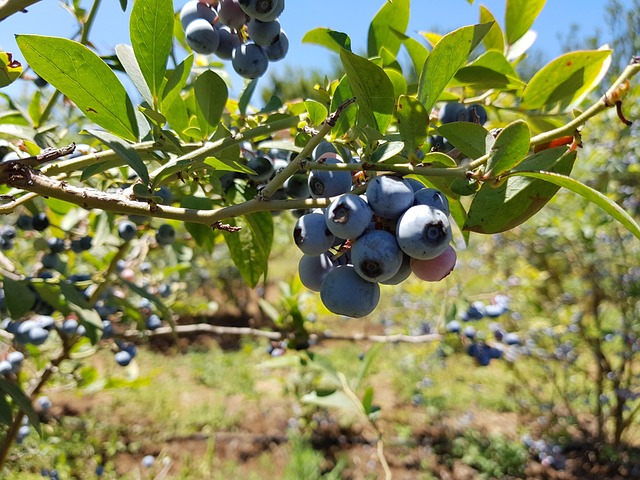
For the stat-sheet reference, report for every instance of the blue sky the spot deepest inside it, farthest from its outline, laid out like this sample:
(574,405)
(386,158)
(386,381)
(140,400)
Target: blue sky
(350,16)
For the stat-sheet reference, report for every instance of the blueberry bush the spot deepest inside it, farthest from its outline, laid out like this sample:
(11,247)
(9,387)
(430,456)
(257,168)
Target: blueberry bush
(385,171)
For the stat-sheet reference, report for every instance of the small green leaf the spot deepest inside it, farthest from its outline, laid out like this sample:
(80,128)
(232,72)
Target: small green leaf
(10,69)
(211,96)
(125,150)
(250,247)
(470,138)
(204,235)
(21,400)
(489,70)
(19,297)
(494,40)
(397,80)
(446,58)
(510,148)
(336,399)
(386,151)
(245,97)
(413,120)
(604,202)
(519,16)
(177,80)
(331,39)
(151,31)
(372,88)
(440,159)
(5,411)
(228,165)
(130,64)
(416,50)
(123,5)
(83,77)
(367,400)
(499,208)
(565,79)
(348,117)
(317,112)
(381,33)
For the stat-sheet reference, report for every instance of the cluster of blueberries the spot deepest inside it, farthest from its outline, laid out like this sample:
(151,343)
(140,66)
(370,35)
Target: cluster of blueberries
(477,346)
(398,226)
(456,112)
(247,32)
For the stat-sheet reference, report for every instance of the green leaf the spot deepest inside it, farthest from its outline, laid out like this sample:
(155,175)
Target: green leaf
(510,148)
(367,400)
(604,202)
(472,139)
(19,297)
(211,97)
(348,117)
(372,88)
(125,150)
(250,247)
(489,70)
(566,79)
(123,5)
(10,69)
(413,120)
(336,399)
(499,208)
(21,400)
(83,77)
(438,158)
(245,97)
(204,235)
(331,39)
(228,165)
(386,151)
(397,80)
(418,53)
(519,16)
(494,40)
(317,112)
(381,33)
(5,411)
(151,31)
(177,80)
(130,64)
(446,58)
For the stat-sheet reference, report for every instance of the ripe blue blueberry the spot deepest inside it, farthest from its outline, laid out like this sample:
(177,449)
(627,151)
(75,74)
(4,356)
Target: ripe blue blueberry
(313,268)
(311,234)
(196,10)
(40,221)
(477,114)
(127,230)
(265,10)
(329,183)
(433,198)
(24,222)
(263,33)
(38,335)
(279,48)
(153,322)
(147,461)
(453,112)
(403,272)
(250,61)
(50,260)
(228,41)
(453,326)
(263,166)
(202,37)
(512,338)
(389,196)
(348,216)
(297,186)
(323,147)
(423,232)
(69,326)
(376,256)
(123,358)
(344,292)
(166,234)
(56,245)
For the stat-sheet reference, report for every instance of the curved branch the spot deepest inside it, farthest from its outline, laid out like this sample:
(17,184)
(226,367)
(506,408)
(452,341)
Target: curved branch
(9,7)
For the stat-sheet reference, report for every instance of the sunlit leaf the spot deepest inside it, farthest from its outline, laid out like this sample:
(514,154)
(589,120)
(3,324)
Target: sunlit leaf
(83,77)
(331,39)
(510,148)
(413,120)
(391,16)
(10,69)
(519,16)
(446,58)
(372,88)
